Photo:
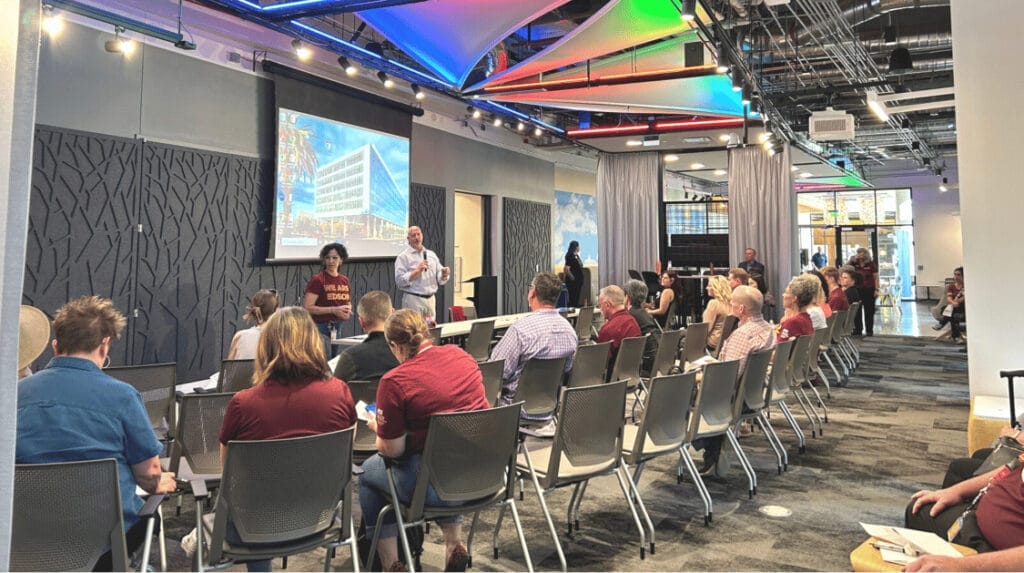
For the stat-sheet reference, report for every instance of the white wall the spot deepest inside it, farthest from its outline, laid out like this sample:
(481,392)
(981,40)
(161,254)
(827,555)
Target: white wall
(988,88)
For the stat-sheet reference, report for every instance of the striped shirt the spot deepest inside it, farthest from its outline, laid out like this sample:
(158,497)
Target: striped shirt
(752,335)
(543,334)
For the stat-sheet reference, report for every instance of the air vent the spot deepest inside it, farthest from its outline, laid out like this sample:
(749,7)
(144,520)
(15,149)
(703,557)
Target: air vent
(831,125)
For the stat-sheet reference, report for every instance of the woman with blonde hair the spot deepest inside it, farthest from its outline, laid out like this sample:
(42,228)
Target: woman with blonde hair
(719,305)
(428,380)
(818,310)
(261,306)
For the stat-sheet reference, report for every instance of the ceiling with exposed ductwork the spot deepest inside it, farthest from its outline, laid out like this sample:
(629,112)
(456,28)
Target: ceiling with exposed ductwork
(598,73)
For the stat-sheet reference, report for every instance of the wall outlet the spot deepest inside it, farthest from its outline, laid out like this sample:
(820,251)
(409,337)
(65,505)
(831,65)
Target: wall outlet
(920,267)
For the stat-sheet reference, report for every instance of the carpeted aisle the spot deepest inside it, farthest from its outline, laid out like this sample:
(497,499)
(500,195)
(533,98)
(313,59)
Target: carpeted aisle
(891,432)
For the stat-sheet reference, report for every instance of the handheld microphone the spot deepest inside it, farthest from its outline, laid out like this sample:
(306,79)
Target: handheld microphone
(424,254)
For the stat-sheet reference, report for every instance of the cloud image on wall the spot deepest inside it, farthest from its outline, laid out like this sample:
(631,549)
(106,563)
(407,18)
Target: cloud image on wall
(574,219)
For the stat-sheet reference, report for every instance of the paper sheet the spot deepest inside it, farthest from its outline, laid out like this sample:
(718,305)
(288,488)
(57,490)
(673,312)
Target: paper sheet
(923,542)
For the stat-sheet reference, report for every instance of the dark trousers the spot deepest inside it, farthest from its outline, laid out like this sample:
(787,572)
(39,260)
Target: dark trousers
(969,534)
(134,538)
(956,322)
(867,306)
(712,448)
(962,469)
(574,288)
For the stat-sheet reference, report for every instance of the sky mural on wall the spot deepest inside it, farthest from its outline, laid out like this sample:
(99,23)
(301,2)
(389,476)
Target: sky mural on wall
(574,219)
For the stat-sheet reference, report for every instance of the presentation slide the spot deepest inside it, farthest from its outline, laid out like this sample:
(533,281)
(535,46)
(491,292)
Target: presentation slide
(338,183)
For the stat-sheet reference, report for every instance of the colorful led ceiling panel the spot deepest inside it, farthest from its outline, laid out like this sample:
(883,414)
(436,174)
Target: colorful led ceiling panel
(666,56)
(705,95)
(618,25)
(841,181)
(451,36)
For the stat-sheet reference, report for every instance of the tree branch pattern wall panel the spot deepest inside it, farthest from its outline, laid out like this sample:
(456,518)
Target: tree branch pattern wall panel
(81,232)
(189,273)
(527,244)
(427,211)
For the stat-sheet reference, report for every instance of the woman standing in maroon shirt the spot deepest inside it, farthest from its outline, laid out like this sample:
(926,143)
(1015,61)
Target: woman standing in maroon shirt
(868,288)
(328,297)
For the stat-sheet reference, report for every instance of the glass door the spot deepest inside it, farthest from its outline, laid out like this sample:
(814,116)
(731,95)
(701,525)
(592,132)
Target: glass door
(849,238)
(896,259)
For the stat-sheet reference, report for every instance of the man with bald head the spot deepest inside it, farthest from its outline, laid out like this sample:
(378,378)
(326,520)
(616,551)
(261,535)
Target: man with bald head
(752,334)
(418,274)
(618,323)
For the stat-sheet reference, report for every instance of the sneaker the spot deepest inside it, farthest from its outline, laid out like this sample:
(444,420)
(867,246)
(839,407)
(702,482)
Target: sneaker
(937,326)
(707,470)
(458,560)
(189,542)
(546,430)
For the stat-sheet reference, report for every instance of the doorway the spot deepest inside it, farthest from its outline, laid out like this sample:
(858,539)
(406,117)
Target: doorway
(470,216)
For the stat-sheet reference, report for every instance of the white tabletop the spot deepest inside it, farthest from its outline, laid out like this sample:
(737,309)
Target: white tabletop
(462,327)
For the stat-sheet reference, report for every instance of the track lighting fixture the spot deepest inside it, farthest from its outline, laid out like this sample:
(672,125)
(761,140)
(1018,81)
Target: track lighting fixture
(384,79)
(737,81)
(520,126)
(350,69)
(474,112)
(537,132)
(497,122)
(722,58)
(745,98)
(417,92)
(52,23)
(688,10)
(302,51)
(119,45)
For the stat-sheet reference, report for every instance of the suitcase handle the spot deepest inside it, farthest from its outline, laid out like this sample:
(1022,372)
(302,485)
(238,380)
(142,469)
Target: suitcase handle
(1010,375)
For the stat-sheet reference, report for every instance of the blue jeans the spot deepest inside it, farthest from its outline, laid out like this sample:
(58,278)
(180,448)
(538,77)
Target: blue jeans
(374,493)
(325,335)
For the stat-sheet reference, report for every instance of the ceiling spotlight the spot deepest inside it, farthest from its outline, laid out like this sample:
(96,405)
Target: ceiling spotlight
(497,121)
(877,107)
(119,45)
(720,172)
(302,51)
(688,10)
(474,112)
(350,69)
(737,81)
(634,142)
(417,92)
(943,188)
(384,79)
(723,138)
(805,175)
(793,168)
(520,126)
(697,165)
(52,23)
(776,147)
(722,59)
(537,132)
(745,98)
(765,136)
(671,158)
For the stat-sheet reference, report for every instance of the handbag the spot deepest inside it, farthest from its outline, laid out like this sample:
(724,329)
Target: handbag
(1005,449)
(568,273)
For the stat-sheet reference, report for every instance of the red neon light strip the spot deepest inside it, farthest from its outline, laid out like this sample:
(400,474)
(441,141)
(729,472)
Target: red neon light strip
(608,130)
(674,73)
(687,125)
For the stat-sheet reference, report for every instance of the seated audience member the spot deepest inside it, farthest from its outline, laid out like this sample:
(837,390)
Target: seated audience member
(797,297)
(848,279)
(33,334)
(956,299)
(636,294)
(293,392)
(71,411)
(818,310)
(950,298)
(836,296)
(752,334)
(618,323)
(719,299)
(542,334)
(671,291)
(370,359)
(738,277)
(994,528)
(261,306)
(428,380)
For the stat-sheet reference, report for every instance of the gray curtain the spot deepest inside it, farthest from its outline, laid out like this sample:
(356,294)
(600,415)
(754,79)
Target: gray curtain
(762,212)
(627,214)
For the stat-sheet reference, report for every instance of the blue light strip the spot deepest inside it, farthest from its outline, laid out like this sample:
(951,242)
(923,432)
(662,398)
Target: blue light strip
(427,79)
(300,4)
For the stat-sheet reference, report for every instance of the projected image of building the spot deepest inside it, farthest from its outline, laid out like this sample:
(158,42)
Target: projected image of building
(356,197)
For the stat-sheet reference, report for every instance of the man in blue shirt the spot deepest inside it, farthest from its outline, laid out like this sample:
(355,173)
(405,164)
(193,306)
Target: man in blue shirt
(819,259)
(72,411)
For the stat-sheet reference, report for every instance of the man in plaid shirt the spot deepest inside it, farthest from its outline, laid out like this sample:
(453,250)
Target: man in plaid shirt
(543,334)
(753,334)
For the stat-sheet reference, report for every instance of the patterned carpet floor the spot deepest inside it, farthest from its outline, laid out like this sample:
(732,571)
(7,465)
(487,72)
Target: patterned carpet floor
(892,431)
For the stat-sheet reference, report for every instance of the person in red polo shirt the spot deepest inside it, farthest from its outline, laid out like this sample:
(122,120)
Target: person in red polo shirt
(618,323)
(836,297)
(428,380)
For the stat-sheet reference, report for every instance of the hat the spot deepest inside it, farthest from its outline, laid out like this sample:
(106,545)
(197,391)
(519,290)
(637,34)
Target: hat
(33,334)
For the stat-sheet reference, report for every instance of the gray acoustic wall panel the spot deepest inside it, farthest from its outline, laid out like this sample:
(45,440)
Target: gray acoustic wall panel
(527,243)
(183,280)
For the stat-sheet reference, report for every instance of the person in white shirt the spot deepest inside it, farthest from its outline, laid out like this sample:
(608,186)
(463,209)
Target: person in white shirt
(418,274)
(263,304)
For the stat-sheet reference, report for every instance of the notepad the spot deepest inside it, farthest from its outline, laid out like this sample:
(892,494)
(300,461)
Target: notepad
(365,411)
(914,542)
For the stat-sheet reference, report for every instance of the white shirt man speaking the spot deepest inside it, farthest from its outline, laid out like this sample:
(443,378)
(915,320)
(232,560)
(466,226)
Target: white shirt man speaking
(418,273)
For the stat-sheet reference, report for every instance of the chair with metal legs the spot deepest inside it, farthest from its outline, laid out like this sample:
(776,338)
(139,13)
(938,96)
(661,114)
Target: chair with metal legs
(628,363)
(662,427)
(585,324)
(798,366)
(848,332)
(469,461)
(493,373)
(729,324)
(695,345)
(817,344)
(478,343)
(719,417)
(587,444)
(751,404)
(779,386)
(838,319)
(668,352)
